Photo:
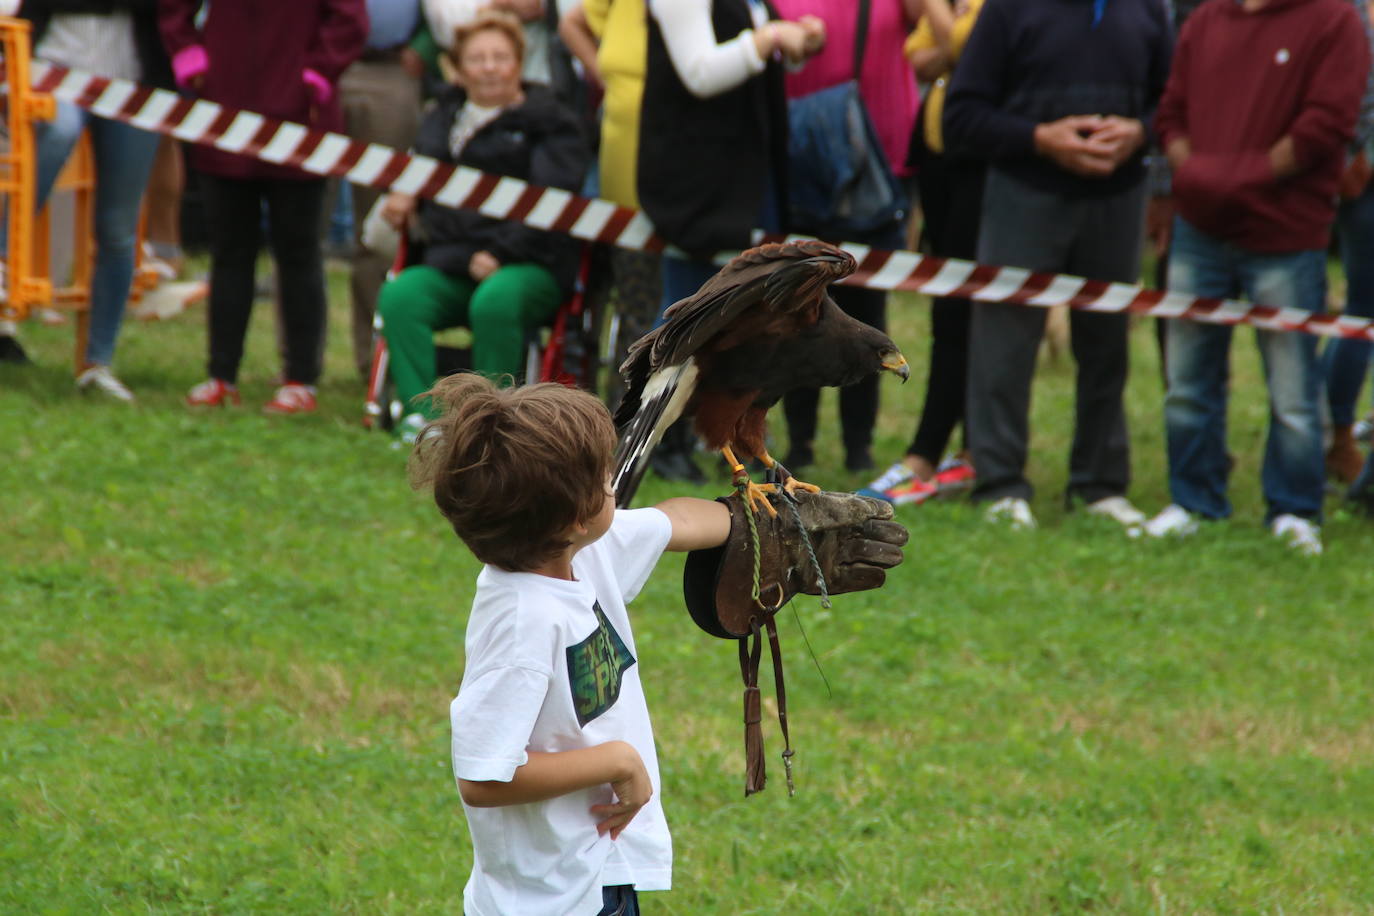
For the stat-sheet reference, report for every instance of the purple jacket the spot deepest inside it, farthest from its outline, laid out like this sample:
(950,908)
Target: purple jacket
(281,58)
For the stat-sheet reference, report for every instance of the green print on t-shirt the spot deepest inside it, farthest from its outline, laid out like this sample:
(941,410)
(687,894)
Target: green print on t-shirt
(595,666)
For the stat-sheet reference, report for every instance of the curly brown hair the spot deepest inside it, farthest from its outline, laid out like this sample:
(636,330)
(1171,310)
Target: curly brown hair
(514,469)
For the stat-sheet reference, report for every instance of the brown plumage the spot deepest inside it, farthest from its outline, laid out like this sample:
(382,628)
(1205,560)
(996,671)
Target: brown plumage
(761,327)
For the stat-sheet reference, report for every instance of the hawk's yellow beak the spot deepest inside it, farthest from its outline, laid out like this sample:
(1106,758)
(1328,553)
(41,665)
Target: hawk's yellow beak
(897,365)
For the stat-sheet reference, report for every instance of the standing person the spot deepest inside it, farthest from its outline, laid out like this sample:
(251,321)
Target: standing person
(1261,105)
(888,89)
(951,188)
(1056,96)
(1346,361)
(381,104)
(713,144)
(118,39)
(285,62)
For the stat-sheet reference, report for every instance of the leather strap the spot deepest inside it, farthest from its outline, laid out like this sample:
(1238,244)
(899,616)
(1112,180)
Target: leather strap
(755,770)
(778,685)
(861,39)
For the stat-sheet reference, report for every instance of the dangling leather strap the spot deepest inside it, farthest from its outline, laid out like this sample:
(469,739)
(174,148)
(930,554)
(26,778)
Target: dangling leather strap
(778,685)
(750,647)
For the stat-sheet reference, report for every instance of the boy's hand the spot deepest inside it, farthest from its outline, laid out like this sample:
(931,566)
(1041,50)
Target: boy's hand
(632,791)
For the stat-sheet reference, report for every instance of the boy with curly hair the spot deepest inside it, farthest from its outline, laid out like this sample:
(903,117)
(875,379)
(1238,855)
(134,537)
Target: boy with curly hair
(553,750)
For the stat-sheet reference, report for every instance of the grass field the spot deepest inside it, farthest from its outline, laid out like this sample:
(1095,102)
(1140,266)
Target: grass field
(227,645)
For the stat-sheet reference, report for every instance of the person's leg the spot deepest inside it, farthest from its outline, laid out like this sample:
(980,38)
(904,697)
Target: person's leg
(233,209)
(165,186)
(1107,248)
(954,234)
(381,105)
(293,211)
(1345,361)
(638,289)
(418,302)
(1199,367)
(859,402)
(1294,463)
(506,309)
(123,159)
(53,144)
(1021,227)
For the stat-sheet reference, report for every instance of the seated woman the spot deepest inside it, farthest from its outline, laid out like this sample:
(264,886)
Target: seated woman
(500,279)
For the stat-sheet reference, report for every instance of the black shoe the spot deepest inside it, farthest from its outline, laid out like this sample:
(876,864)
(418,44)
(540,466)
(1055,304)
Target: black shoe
(859,459)
(11,351)
(676,466)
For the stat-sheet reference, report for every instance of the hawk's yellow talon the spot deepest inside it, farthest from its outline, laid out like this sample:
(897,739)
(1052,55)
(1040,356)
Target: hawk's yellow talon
(757,493)
(793,485)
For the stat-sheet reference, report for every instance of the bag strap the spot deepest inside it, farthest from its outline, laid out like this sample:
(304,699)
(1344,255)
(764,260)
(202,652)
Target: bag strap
(860,39)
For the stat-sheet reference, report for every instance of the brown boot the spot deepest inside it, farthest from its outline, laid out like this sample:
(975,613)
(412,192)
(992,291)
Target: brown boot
(1344,460)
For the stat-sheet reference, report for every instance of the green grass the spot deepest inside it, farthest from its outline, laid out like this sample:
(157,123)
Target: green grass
(227,645)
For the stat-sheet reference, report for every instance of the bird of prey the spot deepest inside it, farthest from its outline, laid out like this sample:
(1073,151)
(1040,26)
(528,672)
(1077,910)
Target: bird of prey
(760,328)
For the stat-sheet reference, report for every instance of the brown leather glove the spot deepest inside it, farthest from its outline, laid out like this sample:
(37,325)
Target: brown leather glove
(854,539)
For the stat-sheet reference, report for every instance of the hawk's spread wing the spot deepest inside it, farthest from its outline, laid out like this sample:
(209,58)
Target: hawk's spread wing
(774,289)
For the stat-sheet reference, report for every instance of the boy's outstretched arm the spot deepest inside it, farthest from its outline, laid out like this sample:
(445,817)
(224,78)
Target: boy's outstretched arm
(697,523)
(548,775)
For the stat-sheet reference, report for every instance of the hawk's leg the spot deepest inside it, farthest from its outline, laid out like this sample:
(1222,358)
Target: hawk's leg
(754,493)
(789,483)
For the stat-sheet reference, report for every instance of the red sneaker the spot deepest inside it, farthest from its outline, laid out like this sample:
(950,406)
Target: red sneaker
(292,397)
(213,393)
(954,478)
(913,491)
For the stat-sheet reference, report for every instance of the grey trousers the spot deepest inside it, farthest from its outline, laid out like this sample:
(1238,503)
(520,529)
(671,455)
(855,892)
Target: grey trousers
(1096,237)
(381,104)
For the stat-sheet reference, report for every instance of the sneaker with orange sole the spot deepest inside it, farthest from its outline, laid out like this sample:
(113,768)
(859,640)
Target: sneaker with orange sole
(293,397)
(213,392)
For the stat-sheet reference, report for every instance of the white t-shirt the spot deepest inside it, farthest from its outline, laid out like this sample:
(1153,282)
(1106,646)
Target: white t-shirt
(552,666)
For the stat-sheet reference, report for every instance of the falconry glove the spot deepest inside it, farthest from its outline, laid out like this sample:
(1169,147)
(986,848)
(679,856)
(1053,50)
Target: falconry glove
(817,544)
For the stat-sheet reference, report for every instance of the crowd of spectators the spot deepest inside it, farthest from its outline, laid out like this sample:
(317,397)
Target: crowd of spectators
(1233,136)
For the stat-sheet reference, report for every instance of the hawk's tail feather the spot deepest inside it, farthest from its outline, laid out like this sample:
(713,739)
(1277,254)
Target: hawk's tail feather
(662,401)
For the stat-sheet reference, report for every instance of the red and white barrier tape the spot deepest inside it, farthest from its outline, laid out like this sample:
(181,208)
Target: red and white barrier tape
(552,209)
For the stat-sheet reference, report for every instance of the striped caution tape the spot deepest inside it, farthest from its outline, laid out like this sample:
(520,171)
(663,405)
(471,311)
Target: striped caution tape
(331,154)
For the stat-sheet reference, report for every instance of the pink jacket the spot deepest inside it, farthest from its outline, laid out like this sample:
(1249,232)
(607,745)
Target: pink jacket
(281,58)
(886,82)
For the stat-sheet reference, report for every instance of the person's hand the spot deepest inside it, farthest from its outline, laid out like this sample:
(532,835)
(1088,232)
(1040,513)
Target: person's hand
(791,38)
(1121,136)
(482,265)
(396,209)
(525,10)
(1068,143)
(814,27)
(412,63)
(632,792)
(1178,152)
(10,7)
(1159,223)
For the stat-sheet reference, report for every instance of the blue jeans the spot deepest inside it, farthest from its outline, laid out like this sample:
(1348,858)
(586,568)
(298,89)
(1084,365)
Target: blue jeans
(1345,360)
(1199,366)
(123,159)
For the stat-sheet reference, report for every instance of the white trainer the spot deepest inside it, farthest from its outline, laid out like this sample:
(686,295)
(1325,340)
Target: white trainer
(1298,533)
(1119,510)
(1012,511)
(1174,521)
(100,378)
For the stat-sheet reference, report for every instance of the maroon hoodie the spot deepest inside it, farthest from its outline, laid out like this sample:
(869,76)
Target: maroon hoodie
(1240,82)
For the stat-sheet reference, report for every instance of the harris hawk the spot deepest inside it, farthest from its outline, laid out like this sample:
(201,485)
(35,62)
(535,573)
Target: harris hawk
(760,328)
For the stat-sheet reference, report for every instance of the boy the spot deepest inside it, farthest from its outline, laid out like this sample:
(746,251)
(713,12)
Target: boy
(552,745)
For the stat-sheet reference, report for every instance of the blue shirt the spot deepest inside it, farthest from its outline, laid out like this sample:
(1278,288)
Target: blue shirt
(392,22)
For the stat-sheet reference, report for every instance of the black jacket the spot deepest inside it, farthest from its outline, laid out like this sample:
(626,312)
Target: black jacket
(157,69)
(703,163)
(539,141)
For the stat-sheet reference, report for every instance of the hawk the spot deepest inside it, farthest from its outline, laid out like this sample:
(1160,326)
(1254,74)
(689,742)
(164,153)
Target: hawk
(760,328)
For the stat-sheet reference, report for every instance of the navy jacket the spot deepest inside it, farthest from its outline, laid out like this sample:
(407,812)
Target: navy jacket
(1031,61)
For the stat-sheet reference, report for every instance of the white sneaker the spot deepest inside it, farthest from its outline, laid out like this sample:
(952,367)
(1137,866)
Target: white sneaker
(1119,510)
(1174,521)
(100,378)
(1012,511)
(1298,533)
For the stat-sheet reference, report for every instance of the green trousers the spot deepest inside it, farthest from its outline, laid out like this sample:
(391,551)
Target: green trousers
(502,311)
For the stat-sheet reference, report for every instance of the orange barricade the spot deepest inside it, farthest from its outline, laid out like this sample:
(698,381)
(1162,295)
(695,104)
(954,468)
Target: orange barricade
(21,108)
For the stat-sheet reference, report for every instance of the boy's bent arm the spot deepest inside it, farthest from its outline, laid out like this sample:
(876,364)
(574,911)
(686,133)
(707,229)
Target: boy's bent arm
(549,774)
(697,523)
